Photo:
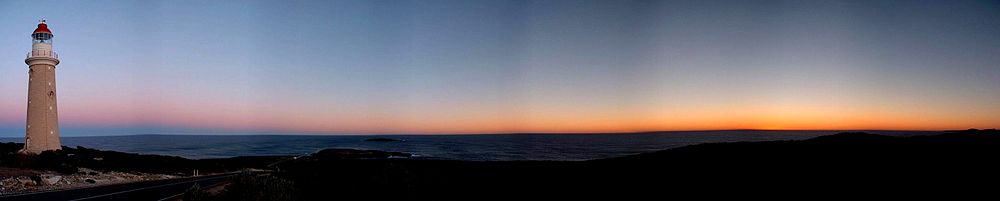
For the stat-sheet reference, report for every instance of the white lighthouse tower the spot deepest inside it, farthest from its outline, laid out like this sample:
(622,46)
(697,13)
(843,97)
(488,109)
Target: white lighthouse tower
(42,129)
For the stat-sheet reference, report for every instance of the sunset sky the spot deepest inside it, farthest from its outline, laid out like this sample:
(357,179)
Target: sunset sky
(491,66)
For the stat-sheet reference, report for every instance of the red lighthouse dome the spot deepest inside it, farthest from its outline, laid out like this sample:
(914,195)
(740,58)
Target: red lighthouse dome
(42,28)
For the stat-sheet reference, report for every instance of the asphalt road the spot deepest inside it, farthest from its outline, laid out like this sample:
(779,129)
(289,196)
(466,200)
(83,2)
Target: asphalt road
(147,190)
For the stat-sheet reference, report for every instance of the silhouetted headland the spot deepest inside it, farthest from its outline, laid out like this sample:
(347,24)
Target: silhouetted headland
(851,162)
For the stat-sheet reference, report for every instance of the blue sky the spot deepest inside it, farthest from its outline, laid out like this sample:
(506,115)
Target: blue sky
(356,67)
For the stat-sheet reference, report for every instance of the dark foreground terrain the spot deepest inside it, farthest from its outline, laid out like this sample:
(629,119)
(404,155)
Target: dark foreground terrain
(74,168)
(837,165)
(954,164)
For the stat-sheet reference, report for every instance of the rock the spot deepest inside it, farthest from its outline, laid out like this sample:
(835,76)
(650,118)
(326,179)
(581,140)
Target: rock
(90,181)
(25,181)
(87,171)
(50,179)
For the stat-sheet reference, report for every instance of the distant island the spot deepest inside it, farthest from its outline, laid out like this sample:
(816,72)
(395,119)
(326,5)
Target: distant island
(857,160)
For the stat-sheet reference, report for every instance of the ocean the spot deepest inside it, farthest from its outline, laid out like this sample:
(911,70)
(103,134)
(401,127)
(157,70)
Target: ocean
(497,147)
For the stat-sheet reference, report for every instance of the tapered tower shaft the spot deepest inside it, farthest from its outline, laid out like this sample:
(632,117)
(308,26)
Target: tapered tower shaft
(42,129)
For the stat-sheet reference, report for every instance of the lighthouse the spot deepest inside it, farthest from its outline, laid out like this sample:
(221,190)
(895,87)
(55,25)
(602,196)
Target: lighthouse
(42,129)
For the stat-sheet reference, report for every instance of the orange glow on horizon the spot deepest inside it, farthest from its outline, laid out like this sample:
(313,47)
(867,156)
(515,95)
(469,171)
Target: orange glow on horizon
(788,115)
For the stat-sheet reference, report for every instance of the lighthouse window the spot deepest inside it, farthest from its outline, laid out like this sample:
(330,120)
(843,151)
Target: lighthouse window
(52,93)
(42,37)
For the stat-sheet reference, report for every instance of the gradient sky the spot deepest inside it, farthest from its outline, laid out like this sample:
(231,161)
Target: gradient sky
(467,66)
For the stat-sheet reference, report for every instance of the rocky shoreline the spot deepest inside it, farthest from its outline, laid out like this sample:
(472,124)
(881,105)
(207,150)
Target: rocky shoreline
(82,167)
(36,181)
